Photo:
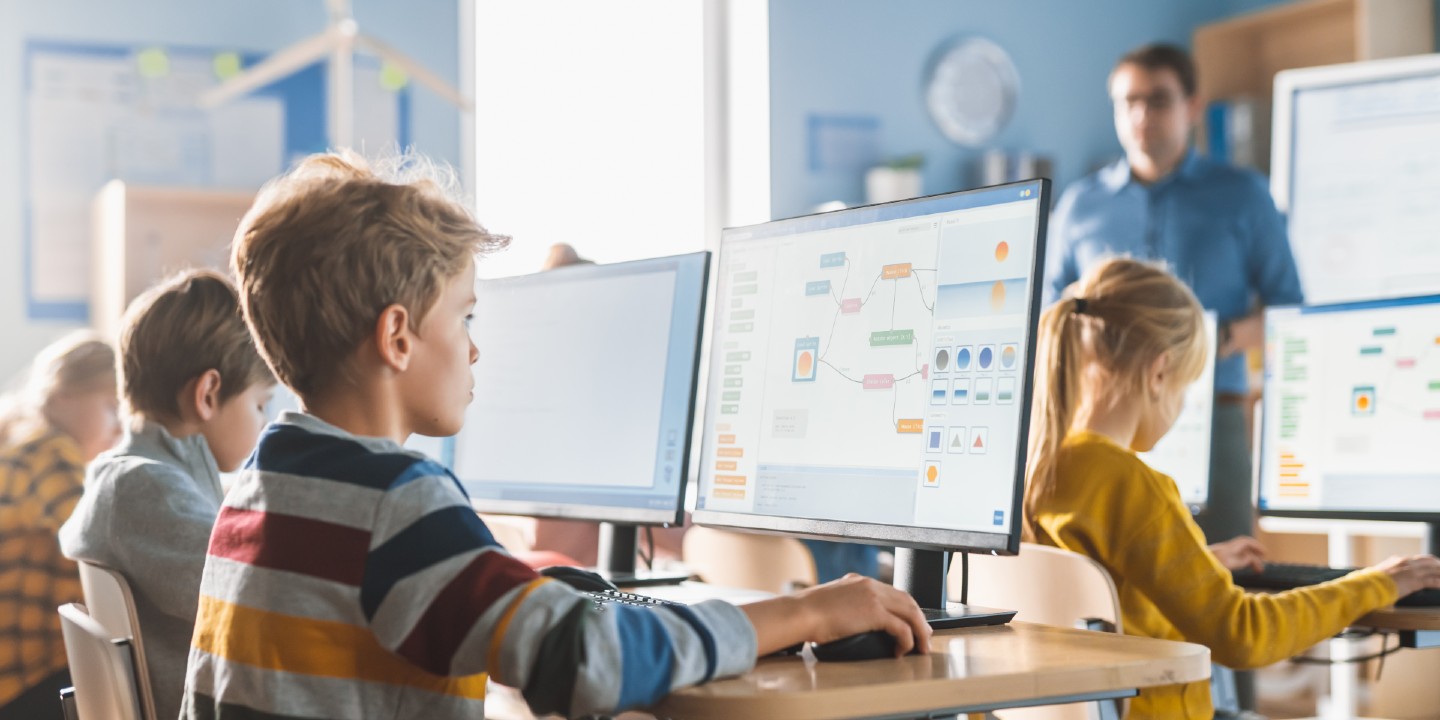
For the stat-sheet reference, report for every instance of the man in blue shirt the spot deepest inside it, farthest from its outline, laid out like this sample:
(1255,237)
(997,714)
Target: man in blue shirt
(1214,225)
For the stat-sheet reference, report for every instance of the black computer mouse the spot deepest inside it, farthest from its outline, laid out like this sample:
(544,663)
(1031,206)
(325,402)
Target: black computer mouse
(872,645)
(578,578)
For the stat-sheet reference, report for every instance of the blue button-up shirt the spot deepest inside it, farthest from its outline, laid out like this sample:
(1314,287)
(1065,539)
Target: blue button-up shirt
(1213,224)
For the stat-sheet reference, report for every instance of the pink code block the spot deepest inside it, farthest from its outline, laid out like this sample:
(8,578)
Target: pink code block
(850,306)
(879,382)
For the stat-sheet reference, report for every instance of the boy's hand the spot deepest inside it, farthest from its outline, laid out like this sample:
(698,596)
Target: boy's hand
(850,605)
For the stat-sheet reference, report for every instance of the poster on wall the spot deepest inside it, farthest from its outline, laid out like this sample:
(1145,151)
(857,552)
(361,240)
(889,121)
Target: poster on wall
(94,113)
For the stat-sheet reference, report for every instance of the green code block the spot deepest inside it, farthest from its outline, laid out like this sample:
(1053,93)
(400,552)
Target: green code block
(729,409)
(733,369)
(737,356)
(892,337)
(751,276)
(743,315)
(750,289)
(734,382)
(741,327)
(730,395)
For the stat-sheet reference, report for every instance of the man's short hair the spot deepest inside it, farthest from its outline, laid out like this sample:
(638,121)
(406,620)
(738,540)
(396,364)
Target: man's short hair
(178,329)
(332,243)
(1163,56)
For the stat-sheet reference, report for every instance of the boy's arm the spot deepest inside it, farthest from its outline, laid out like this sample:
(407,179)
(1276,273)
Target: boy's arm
(440,592)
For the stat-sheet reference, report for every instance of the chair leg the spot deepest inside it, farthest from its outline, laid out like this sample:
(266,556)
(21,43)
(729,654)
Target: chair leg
(67,704)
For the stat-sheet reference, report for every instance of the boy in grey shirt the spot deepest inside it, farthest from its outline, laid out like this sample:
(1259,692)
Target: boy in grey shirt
(195,388)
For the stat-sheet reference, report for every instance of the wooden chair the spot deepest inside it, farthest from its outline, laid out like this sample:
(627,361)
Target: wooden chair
(1049,586)
(101,668)
(743,560)
(111,603)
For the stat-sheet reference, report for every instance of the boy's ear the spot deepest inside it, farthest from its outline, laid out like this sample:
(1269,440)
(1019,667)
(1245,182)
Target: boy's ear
(393,338)
(205,395)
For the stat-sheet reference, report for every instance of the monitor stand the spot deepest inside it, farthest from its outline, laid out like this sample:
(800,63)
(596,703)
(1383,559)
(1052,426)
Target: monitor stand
(617,559)
(922,573)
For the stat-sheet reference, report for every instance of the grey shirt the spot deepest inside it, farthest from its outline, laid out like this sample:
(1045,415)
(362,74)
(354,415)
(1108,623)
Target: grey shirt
(147,511)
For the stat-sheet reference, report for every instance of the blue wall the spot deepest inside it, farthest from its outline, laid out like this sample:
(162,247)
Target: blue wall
(868,58)
(424,29)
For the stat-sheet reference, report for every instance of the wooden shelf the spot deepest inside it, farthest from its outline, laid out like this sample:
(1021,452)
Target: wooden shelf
(1238,58)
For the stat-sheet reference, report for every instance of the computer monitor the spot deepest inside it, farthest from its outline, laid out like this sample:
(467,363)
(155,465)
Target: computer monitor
(1352,411)
(1356,167)
(585,394)
(1184,452)
(870,376)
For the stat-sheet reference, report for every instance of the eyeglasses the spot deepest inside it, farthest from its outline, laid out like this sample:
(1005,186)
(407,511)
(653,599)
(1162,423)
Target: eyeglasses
(1157,101)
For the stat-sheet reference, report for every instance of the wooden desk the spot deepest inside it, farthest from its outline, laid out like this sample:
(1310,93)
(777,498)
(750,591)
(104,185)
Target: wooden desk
(1419,627)
(970,670)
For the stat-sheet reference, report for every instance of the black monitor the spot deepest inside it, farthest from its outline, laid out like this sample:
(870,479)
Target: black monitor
(870,376)
(585,395)
(1352,412)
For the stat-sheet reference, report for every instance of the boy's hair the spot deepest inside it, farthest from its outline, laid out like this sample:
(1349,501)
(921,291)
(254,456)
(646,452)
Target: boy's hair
(1163,56)
(174,332)
(329,245)
(1107,329)
(75,364)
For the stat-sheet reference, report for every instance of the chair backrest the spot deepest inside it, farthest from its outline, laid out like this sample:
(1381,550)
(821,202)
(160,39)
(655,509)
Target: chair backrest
(111,603)
(744,560)
(1048,586)
(100,667)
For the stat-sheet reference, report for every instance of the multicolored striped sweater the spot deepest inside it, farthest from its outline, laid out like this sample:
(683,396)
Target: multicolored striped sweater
(349,578)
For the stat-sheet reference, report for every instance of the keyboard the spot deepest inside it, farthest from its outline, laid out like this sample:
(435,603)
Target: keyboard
(620,597)
(1288,576)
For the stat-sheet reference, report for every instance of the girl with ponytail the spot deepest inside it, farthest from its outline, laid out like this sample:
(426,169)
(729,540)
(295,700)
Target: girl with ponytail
(1114,357)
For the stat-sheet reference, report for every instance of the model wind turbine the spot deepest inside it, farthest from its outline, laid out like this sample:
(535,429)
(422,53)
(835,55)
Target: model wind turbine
(339,42)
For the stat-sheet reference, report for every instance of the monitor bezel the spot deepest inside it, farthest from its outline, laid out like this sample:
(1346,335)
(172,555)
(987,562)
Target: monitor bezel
(600,513)
(1007,543)
(1266,419)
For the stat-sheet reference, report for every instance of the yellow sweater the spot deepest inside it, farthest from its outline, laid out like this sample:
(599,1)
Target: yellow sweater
(1111,506)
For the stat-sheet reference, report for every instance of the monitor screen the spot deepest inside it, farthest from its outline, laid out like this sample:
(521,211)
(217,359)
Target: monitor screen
(870,371)
(1184,452)
(1352,410)
(585,391)
(1357,170)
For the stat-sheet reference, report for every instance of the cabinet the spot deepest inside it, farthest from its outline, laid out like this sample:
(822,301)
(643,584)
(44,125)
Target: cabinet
(1237,58)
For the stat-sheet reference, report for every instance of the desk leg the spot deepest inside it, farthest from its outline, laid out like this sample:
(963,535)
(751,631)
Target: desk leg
(1343,702)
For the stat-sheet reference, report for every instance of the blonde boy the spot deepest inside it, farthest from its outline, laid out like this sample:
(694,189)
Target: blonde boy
(350,579)
(196,390)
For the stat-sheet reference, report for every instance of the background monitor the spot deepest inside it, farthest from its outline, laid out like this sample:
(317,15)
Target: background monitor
(870,372)
(584,391)
(1352,411)
(1184,452)
(1356,167)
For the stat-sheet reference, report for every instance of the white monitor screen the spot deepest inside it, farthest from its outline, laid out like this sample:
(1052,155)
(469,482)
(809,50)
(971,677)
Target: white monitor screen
(870,369)
(1184,452)
(584,391)
(1352,410)
(1358,173)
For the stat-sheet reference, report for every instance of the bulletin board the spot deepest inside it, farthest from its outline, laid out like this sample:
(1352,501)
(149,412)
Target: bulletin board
(93,113)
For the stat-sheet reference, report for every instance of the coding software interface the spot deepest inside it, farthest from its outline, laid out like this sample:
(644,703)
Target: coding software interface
(584,385)
(868,366)
(1352,408)
(1184,452)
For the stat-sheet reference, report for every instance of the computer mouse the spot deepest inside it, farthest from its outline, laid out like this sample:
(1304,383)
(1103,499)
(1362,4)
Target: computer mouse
(578,578)
(872,645)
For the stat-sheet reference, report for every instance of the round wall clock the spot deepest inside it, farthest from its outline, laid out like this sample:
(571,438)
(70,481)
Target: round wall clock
(971,90)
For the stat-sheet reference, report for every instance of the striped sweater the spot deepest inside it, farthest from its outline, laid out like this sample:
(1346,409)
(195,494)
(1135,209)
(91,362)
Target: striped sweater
(349,578)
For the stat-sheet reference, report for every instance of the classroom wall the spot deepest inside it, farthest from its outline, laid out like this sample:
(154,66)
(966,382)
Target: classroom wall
(424,29)
(868,59)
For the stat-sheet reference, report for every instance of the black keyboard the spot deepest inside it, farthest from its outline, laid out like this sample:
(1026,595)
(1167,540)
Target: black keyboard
(1288,576)
(620,597)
